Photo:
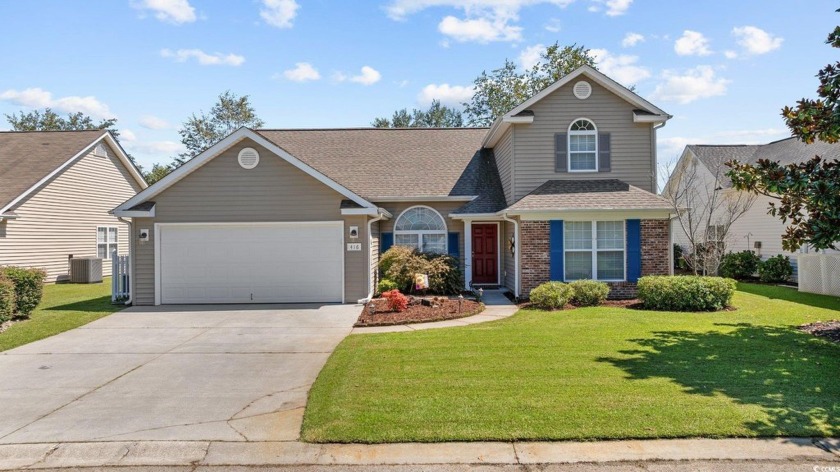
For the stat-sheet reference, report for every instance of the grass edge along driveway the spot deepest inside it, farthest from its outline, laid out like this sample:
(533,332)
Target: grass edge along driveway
(591,373)
(64,307)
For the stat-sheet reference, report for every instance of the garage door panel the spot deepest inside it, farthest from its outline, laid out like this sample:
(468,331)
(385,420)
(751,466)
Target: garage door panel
(271,263)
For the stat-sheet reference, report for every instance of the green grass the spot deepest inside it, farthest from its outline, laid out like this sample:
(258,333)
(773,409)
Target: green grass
(590,373)
(64,307)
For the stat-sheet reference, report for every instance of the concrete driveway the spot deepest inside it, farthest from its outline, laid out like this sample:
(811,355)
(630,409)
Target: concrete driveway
(226,373)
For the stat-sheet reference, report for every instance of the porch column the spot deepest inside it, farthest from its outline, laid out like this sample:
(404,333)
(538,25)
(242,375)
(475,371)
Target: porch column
(467,253)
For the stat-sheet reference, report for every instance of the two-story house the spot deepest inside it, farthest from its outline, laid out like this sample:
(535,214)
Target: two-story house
(559,188)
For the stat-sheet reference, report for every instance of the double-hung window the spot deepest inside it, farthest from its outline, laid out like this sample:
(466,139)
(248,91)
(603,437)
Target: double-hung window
(583,146)
(106,241)
(594,250)
(422,228)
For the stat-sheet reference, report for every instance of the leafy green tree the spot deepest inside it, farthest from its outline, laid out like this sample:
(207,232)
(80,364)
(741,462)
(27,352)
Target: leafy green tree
(808,193)
(437,116)
(504,88)
(201,131)
(158,172)
(48,120)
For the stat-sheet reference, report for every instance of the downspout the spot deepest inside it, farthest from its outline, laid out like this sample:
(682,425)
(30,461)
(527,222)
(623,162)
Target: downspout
(379,217)
(130,260)
(517,283)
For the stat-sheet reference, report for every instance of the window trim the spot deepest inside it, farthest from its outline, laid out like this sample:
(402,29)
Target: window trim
(108,243)
(571,133)
(594,250)
(420,233)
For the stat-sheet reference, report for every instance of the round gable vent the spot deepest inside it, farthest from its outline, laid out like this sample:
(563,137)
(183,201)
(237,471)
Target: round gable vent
(583,90)
(248,158)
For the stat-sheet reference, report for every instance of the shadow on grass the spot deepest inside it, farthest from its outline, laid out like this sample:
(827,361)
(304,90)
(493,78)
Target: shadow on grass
(93,305)
(789,294)
(791,375)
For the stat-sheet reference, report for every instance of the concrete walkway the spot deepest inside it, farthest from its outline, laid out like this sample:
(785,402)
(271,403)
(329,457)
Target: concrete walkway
(496,307)
(823,452)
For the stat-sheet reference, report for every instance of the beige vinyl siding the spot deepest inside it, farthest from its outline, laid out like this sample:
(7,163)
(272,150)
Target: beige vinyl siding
(61,218)
(631,143)
(504,162)
(508,263)
(374,253)
(222,191)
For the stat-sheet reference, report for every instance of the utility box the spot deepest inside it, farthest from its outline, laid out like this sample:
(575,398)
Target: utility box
(85,270)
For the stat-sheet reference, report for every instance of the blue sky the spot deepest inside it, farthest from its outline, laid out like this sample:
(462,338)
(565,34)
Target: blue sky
(722,68)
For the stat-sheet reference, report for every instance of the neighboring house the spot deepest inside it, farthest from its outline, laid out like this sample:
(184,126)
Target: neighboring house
(56,191)
(559,188)
(755,230)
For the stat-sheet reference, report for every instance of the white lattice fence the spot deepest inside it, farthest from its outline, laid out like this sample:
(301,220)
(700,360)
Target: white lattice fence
(819,273)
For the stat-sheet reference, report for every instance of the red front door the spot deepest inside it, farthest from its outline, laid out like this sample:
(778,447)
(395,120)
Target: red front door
(485,254)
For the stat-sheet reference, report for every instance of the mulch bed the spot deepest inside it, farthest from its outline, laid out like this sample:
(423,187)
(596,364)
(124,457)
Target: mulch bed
(825,329)
(446,309)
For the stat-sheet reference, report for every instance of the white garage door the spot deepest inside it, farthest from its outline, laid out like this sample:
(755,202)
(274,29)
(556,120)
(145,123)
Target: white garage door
(251,263)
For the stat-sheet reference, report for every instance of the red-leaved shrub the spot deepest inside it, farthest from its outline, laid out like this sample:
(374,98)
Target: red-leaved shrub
(396,300)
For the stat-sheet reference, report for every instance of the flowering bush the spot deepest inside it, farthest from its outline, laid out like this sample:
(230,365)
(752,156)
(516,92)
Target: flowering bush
(396,300)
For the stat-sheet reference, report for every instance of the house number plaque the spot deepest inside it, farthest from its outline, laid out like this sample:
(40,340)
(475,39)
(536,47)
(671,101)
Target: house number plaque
(354,246)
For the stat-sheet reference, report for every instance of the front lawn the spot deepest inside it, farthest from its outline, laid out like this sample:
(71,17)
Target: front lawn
(589,373)
(64,307)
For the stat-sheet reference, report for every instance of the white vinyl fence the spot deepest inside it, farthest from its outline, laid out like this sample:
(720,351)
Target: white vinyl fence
(819,273)
(119,277)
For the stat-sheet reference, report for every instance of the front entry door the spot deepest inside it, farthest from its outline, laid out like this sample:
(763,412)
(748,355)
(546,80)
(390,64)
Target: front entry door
(485,254)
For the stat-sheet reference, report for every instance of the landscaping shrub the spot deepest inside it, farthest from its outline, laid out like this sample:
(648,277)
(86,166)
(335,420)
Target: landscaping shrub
(396,300)
(29,288)
(685,292)
(739,265)
(551,295)
(589,292)
(385,285)
(678,255)
(400,263)
(775,269)
(7,299)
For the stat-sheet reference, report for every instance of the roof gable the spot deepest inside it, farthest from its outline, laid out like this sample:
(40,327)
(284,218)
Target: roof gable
(30,159)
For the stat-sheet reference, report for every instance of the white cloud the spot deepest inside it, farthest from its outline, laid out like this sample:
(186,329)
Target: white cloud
(203,58)
(40,98)
(127,135)
(692,43)
(756,40)
(445,93)
(632,39)
(368,76)
(553,26)
(170,11)
(279,13)
(480,30)
(614,7)
(699,82)
(302,72)
(167,148)
(152,122)
(729,54)
(531,55)
(621,67)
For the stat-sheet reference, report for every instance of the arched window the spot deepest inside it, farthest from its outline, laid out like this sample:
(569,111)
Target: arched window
(421,227)
(583,146)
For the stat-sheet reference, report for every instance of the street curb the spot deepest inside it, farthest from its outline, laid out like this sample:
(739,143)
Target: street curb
(220,453)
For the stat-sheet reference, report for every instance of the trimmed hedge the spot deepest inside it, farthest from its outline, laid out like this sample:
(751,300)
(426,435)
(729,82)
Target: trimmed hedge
(551,295)
(685,293)
(739,265)
(7,299)
(775,269)
(29,288)
(589,292)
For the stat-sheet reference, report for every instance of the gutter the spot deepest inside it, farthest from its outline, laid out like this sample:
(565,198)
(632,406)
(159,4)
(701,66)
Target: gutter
(381,215)
(130,299)
(516,253)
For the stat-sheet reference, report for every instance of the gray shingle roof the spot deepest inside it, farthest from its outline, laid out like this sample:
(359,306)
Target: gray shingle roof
(786,151)
(29,156)
(589,194)
(377,163)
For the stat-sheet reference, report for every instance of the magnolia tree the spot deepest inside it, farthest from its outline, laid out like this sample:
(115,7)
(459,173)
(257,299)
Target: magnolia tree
(705,211)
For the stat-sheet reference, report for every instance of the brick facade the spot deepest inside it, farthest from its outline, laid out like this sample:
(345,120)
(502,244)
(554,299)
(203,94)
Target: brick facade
(535,259)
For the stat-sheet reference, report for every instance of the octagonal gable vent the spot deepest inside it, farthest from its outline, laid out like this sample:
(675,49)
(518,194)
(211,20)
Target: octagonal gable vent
(583,90)
(248,158)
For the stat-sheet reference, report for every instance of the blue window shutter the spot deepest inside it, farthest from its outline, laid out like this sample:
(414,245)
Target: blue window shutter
(634,250)
(555,250)
(454,251)
(386,240)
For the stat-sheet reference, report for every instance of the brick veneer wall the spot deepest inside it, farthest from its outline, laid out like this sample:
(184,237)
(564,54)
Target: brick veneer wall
(535,261)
